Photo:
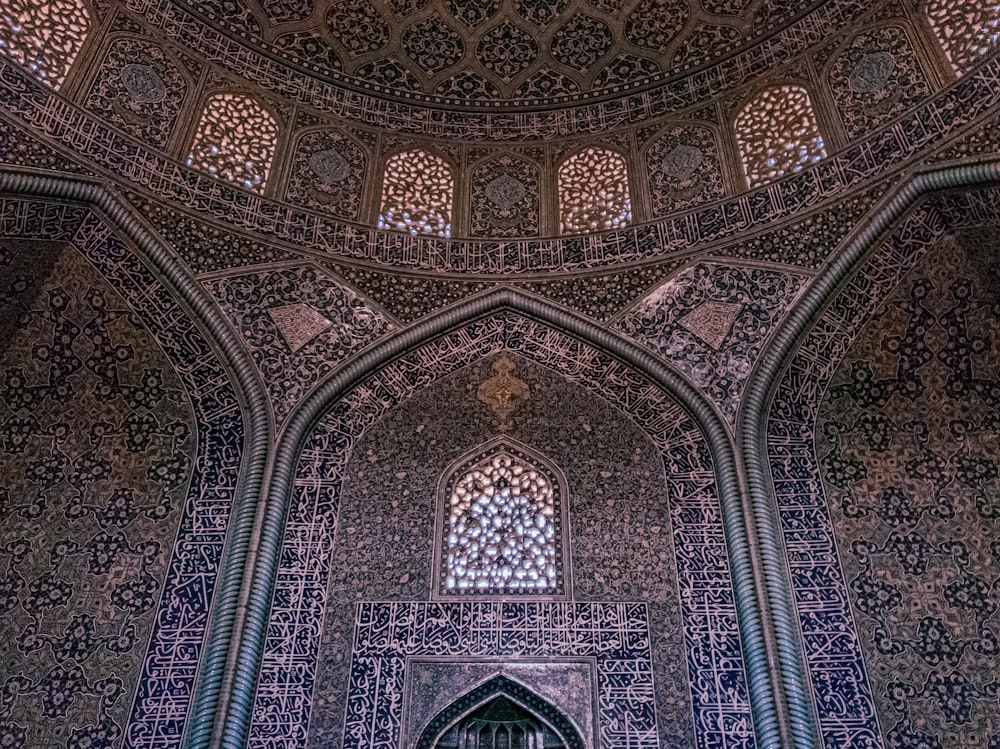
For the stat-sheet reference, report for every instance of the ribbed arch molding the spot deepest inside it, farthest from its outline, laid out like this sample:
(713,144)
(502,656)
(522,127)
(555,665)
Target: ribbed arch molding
(168,297)
(752,424)
(510,308)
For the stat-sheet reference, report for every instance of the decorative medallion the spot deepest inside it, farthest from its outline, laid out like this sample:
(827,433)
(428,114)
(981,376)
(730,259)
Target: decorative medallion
(712,321)
(581,42)
(143,84)
(298,324)
(503,392)
(330,166)
(682,161)
(433,44)
(505,192)
(872,72)
(506,50)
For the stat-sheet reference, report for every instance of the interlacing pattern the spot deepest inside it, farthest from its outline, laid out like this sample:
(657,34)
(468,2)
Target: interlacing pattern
(44,37)
(416,194)
(966,29)
(235,141)
(778,134)
(501,533)
(593,192)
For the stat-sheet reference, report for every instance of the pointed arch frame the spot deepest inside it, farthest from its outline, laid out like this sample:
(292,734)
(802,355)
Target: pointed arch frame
(494,687)
(225,684)
(759,651)
(630,176)
(477,456)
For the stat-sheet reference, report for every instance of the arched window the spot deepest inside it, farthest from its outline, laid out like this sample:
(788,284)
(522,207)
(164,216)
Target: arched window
(593,192)
(502,530)
(417,193)
(778,134)
(43,37)
(500,714)
(235,141)
(966,29)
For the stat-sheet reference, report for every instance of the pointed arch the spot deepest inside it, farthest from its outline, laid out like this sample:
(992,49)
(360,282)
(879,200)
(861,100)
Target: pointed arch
(534,708)
(44,37)
(532,552)
(418,193)
(505,196)
(778,134)
(213,630)
(967,30)
(774,361)
(235,141)
(759,649)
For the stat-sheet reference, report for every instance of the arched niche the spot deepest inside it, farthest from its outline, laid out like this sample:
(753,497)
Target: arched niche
(500,714)
(518,497)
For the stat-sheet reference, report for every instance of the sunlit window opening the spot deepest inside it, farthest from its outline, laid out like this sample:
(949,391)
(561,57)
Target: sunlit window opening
(43,37)
(417,193)
(501,531)
(778,134)
(235,141)
(593,192)
(966,29)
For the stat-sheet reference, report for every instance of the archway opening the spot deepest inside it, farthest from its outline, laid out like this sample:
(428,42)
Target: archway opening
(500,714)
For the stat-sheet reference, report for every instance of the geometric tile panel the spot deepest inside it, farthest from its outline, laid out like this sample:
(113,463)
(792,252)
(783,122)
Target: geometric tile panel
(298,324)
(712,321)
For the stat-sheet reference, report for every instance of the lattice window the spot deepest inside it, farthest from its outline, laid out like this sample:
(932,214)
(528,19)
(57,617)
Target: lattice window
(502,530)
(44,36)
(593,192)
(966,29)
(416,194)
(778,134)
(235,141)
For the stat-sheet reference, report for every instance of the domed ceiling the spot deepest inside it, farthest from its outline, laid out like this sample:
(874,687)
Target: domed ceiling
(485,52)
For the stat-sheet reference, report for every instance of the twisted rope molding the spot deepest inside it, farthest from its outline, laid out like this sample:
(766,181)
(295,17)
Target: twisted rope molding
(751,428)
(235,639)
(760,649)
(182,285)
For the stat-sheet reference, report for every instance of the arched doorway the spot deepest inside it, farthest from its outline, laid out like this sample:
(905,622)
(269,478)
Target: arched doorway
(500,714)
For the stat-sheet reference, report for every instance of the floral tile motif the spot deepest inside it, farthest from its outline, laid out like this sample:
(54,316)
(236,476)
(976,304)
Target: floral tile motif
(909,444)
(711,322)
(96,450)
(295,351)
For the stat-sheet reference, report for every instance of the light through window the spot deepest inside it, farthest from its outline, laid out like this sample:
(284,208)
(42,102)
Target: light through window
(417,194)
(966,29)
(593,192)
(502,530)
(43,37)
(778,134)
(235,141)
